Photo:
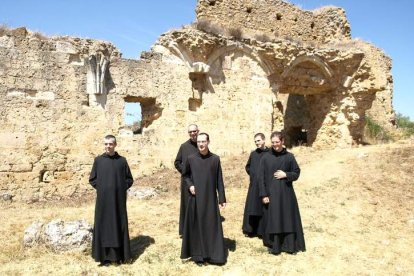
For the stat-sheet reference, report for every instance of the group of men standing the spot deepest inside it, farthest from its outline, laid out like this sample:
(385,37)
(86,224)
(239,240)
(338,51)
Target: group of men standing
(271,209)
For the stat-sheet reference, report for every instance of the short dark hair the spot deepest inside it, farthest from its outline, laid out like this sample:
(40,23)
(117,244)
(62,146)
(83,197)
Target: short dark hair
(110,136)
(278,134)
(203,133)
(260,134)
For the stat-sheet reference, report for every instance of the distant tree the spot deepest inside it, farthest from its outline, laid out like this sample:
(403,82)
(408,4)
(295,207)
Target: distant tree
(405,124)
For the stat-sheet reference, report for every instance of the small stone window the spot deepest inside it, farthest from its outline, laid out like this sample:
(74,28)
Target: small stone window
(249,9)
(133,116)
(140,112)
(278,16)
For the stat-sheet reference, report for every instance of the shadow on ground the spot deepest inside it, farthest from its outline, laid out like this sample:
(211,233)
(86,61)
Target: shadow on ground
(139,244)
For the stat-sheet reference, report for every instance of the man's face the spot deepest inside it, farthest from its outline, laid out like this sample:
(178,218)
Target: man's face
(202,143)
(193,132)
(260,143)
(109,146)
(277,144)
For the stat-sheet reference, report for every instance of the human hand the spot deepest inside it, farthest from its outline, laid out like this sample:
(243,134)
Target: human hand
(192,190)
(265,200)
(279,174)
(222,205)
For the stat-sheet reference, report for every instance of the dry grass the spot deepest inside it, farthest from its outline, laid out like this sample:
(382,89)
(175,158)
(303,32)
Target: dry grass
(4,30)
(207,26)
(356,208)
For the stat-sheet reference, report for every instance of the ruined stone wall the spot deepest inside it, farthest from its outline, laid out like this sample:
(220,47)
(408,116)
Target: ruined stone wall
(276,19)
(61,95)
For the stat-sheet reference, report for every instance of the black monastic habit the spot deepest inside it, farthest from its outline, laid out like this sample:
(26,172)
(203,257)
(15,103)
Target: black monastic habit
(203,238)
(253,209)
(111,177)
(282,224)
(186,149)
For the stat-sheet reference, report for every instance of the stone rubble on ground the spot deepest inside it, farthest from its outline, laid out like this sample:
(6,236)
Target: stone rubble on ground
(59,235)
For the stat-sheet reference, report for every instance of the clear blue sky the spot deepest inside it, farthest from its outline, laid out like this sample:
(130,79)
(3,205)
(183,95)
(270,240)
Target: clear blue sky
(133,26)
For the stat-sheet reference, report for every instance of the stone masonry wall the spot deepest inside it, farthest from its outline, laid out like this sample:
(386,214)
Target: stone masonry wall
(61,95)
(275,18)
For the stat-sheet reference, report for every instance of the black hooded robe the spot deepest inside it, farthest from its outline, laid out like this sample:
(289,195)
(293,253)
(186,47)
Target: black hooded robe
(283,230)
(111,177)
(203,238)
(253,209)
(186,149)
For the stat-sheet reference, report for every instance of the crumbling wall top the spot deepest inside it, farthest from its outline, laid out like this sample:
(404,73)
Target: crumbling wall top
(20,38)
(275,18)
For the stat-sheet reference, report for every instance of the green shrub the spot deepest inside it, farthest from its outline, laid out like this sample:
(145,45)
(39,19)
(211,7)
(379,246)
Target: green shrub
(375,131)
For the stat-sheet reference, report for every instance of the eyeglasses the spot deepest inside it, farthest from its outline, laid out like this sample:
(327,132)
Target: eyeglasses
(192,131)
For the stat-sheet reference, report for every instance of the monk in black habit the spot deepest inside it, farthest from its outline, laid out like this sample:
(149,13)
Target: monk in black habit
(111,177)
(203,238)
(253,210)
(186,149)
(282,224)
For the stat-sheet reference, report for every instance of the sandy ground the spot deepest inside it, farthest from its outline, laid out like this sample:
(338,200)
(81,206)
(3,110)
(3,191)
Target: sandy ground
(356,206)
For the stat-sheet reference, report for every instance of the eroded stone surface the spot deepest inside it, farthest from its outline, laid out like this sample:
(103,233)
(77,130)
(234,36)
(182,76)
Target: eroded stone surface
(61,95)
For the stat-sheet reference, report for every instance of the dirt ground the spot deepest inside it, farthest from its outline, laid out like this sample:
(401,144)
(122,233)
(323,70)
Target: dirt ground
(356,207)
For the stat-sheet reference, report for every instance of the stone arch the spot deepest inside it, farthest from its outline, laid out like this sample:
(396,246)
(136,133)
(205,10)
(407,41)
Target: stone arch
(181,53)
(307,82)
(323,66)
(243,48)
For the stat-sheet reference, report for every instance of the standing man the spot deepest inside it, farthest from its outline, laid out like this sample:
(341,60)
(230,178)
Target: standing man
(186,149)
(253,210)
(203,238)
(282,224)
(111,177)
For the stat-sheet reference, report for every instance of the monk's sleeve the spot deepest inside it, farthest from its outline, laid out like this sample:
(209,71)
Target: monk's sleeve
(261,179)
(187,175)
(128,175)
(178,163)
(220,184)
(93,177)
(294,172)
(248,164)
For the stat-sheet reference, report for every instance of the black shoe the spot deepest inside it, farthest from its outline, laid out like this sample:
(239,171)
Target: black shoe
(105,263)
(200,263)
(273,252)
(291,253)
